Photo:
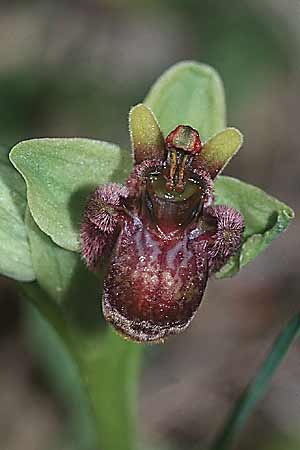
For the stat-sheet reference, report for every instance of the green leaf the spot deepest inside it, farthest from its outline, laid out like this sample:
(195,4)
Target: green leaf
(265,218)
(192,94)
(15,258)
(60,174)
(146,138)
(254,392)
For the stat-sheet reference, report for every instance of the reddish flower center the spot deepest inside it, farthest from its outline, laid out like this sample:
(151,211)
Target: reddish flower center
(182,145)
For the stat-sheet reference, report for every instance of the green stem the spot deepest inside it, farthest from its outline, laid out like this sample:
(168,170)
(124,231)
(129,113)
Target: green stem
(49,310)
(109,371)
(257,388)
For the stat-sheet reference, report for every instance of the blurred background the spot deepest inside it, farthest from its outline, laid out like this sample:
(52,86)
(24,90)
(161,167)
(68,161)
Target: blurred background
(74,69)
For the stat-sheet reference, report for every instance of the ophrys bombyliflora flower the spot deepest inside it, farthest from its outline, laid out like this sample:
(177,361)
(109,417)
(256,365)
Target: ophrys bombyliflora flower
(161,232)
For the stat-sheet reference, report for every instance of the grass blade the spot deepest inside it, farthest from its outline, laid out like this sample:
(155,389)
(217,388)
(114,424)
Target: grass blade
(257,388)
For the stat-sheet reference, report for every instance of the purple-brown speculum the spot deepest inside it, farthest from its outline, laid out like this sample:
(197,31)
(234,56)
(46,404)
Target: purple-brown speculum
(162,237)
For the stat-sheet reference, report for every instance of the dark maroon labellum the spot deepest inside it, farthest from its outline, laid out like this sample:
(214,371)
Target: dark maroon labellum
(163,239)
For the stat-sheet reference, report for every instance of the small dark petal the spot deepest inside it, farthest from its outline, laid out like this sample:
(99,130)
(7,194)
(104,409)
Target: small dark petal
(93,243)
(146,137)
(104,204)
(218,150)
(228,236)
(137,178)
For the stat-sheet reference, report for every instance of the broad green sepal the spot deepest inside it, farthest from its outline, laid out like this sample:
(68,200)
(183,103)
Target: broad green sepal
(192,94)
(218,151)
(15,257)
(265,218)
(258,242)
(60,174)
(146,137)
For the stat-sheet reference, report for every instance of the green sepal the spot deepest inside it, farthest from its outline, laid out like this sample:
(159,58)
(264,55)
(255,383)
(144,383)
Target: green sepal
(191,94)
(60,174)
(265,218)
